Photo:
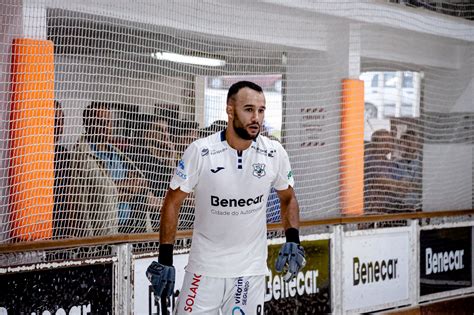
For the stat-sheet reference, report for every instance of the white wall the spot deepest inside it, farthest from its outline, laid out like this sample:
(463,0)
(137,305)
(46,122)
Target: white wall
(447,177)
(448,168)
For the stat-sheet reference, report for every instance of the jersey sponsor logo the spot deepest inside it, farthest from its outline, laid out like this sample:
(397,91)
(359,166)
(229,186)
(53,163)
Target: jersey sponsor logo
(290,174)
(269,153)
(217,169)
(237,311)
(259,170)
(242,202)
(180,170)
(241,291)
(214,152)
(189,303)
(204,152)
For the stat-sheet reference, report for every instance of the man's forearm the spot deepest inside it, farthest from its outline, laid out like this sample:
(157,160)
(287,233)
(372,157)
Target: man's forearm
(290,215)
(168,224)
(290,212)
(169,215)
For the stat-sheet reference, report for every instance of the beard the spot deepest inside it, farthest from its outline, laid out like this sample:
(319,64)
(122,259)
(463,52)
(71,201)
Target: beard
(240,130)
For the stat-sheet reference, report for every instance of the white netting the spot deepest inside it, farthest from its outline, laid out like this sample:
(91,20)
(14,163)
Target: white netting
(128,114)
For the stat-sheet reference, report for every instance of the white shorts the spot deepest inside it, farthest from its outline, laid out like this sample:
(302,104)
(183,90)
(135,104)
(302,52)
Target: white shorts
(209,295)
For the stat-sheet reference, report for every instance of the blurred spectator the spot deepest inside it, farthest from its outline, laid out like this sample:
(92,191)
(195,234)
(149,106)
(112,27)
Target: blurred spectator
(409,171)
(157,164)
(62,175)
(273,202)
(380,178)
(216,126)
(186,133)
(105,180)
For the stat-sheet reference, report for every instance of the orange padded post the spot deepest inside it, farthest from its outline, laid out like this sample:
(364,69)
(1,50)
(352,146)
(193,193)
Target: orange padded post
(32,139)
(352,147)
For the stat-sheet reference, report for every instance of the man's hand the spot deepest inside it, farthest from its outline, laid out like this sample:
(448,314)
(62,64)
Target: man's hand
(162,279)
(290,260)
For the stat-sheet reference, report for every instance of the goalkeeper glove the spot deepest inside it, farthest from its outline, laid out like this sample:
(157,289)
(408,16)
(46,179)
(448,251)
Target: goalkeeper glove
(161,273)
(291,258)
(162,278)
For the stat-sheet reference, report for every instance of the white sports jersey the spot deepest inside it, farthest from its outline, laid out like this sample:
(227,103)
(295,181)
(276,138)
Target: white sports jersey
(231,190)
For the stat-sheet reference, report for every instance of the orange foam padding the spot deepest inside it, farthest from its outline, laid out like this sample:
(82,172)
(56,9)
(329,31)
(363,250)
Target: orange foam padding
(32,139)
(352,147)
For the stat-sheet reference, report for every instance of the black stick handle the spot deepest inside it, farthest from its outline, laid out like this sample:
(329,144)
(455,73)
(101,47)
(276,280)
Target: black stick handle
(164,308)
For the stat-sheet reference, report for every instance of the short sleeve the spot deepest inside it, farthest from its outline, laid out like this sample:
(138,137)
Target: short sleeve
(186,174)
(284,176)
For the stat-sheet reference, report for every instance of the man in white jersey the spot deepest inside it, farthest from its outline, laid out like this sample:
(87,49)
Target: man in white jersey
(231,173)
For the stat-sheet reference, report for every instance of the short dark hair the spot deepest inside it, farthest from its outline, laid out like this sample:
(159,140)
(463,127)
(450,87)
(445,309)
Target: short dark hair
(89,112)
(236,87)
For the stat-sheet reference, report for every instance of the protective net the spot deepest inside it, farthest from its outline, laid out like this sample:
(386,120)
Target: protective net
(372,101)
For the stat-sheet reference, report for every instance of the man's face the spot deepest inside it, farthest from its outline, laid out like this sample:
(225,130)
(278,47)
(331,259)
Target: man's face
(408,146)
(246,111)
(101,125)
(159,134)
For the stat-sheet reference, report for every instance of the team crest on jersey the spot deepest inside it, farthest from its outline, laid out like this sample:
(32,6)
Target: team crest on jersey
(259,170)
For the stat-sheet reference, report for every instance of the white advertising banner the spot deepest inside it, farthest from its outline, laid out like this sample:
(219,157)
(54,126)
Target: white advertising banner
(375,269)
(142,297)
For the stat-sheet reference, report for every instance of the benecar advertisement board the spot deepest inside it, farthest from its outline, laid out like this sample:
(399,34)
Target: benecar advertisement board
(445,260)
(59,291)
(144,299)
(309,292)
(375,269)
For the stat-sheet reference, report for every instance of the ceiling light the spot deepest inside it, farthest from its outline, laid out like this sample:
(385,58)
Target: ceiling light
(189,59)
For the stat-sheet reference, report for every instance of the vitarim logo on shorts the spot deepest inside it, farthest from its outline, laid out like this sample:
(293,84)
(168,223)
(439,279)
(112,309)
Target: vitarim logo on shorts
(240,296)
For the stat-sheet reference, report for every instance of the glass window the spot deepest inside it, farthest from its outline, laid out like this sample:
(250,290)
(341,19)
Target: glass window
(375,81)
(407,79)
(390,79)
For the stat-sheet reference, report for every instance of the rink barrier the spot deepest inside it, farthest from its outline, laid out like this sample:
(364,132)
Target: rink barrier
(144,237)
(337,274)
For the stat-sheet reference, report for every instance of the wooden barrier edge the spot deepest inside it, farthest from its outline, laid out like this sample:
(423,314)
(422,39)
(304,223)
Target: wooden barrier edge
(149,237)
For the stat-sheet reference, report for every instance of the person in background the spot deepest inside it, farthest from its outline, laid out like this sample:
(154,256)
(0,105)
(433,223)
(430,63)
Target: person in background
(62,175)
(186,133)
(105,180)
(409,171)
(157,163)
(273,202)
(216,126)
(380,178)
